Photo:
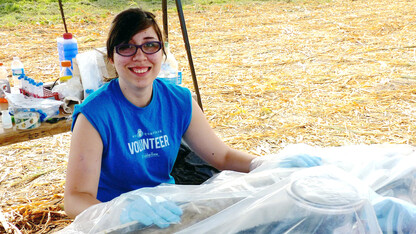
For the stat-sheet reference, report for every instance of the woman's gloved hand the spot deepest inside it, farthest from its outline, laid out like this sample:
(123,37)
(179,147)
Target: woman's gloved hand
(148,210)
(302,160)
(395,215)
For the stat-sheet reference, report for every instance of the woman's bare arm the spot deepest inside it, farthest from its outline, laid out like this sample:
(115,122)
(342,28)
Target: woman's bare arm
(84,167)
(202,139)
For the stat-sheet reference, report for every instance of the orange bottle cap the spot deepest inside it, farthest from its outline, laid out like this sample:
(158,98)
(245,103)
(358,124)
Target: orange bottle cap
(66,63)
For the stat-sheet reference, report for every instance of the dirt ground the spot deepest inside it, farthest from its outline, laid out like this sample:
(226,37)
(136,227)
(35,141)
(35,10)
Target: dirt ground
(270,74)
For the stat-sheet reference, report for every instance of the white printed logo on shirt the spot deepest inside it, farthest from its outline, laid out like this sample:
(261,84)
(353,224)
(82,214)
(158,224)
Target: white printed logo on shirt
(148,141)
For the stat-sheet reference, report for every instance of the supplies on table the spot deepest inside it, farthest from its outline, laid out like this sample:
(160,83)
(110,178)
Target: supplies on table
(69,87)
(93,67)
(169,70)
(70,92)
(27,119)
(35,89)
(46,107)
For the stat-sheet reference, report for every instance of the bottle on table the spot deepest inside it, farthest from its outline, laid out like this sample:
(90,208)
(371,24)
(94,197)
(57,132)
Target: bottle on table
(67,48)
(66,71)
(41,94)
(17,70)
(169,69)
(6,119)
(25,83)
(38,91)
(31,87)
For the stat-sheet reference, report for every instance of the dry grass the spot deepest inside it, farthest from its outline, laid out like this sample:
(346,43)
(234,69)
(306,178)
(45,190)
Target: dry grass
(270,74)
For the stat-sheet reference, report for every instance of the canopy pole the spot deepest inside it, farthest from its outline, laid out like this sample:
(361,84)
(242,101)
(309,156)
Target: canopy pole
(62,14)
(165,19)
(188,51)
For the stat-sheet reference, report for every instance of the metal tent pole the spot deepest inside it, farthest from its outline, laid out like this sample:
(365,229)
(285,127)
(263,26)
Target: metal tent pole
(165,19)
(62,14)
(186,41)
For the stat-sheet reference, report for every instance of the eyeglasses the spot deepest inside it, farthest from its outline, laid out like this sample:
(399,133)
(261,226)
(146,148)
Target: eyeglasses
(128,50)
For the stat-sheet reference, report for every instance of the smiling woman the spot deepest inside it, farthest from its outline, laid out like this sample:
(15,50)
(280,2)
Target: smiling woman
(127,134)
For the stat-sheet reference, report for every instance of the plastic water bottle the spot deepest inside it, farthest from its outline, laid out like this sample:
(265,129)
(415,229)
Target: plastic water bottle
(25,84)
(37,88)
(41,93)
(169,69)
(66,71)
(170,59)
(67,48)
(17,70)
(6,119)
(31,87)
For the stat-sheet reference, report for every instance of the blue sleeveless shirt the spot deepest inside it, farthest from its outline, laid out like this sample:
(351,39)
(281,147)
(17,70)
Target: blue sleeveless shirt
(140,145)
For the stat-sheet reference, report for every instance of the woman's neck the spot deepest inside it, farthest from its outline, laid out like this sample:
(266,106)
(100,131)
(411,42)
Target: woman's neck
(140,97)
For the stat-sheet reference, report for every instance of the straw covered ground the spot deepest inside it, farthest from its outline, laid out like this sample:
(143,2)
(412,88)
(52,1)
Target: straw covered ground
(270,73)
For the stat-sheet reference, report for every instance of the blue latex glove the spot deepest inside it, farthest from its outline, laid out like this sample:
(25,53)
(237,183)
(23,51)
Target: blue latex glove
(303,160)
(395,215)
(149,210)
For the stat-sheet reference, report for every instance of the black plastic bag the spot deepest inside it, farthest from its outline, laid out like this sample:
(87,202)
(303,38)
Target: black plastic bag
(190,169)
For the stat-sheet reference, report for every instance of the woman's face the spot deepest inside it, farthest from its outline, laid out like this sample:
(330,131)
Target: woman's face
(140,69)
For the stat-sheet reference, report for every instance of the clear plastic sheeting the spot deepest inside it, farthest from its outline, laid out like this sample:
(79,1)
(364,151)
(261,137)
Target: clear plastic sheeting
(390,170)
(337,197)
(314,200)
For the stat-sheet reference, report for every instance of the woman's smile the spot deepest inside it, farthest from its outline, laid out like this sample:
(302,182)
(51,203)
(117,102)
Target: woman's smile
(139,70)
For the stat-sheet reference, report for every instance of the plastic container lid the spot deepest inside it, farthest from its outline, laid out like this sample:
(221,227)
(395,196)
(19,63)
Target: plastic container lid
(66,63)
(327,195)
(67,35)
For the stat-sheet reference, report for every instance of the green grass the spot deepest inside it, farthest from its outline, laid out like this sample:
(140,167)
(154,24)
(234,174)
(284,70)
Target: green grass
(13,12)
